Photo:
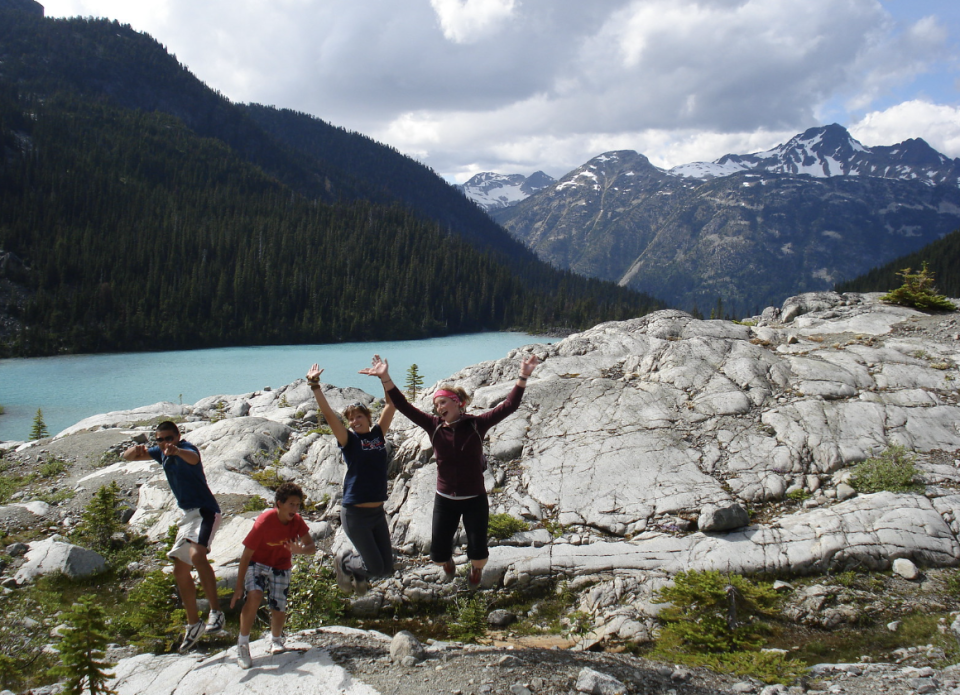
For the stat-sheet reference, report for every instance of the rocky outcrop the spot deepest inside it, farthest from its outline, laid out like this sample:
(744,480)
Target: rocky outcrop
(642,448)
(301,669)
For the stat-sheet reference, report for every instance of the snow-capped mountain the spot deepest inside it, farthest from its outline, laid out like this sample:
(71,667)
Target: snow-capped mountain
(750,229)
(831,151)
(493,191)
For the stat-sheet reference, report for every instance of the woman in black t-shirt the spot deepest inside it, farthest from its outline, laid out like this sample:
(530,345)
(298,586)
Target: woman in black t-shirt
(364,489)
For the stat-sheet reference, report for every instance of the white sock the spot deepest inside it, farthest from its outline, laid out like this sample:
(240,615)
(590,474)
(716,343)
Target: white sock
(243,639)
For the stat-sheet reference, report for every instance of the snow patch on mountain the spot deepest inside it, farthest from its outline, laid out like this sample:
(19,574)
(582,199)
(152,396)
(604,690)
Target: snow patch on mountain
(493,191)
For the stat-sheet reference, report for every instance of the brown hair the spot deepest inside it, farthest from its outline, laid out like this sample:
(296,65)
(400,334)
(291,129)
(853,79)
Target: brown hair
(348,411)
(461,394)
(287,490)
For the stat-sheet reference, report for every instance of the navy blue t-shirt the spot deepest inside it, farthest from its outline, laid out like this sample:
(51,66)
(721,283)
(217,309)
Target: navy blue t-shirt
(189,484)
(366,459)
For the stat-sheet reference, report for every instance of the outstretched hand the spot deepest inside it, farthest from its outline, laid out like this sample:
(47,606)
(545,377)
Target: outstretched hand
(528,364)
(314,372)
(378,368)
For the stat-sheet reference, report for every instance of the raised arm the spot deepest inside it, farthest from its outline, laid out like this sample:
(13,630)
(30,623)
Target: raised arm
(527,365)
(386,415)
(396,401)
(336,425)
(380,369)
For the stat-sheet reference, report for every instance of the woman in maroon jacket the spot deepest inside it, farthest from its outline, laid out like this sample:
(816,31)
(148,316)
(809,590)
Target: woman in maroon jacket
(458,446)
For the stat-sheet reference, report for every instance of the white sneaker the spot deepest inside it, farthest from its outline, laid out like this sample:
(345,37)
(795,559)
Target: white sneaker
(277,646)
(243,656)
(215,622)
(191,636)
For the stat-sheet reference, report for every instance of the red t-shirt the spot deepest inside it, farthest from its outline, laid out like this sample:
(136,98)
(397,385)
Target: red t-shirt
(267,536)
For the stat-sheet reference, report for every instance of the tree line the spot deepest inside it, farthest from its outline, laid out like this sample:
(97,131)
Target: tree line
(140,234)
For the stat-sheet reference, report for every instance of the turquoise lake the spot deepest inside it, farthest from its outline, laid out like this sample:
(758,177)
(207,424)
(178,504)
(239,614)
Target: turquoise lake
(71,388)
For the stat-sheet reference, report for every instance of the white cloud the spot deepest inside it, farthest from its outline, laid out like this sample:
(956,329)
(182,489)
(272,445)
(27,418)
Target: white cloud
(140,15)
(517,86)
(466,21)
(938,124)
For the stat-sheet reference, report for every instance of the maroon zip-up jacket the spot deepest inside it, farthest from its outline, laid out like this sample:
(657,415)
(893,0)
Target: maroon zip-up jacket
(458,447)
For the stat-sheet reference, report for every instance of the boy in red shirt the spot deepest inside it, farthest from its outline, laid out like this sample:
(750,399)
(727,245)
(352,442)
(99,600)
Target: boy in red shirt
(265,566)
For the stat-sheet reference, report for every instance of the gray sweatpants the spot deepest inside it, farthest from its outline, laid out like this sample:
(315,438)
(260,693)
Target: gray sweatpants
(367,529)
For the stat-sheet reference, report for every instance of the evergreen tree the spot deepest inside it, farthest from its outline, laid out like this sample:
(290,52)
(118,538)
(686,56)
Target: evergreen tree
(39,430)
(82,649)
(100,519)
(414,381)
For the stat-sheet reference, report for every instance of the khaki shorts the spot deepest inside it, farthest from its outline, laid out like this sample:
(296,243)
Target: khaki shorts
(196,526)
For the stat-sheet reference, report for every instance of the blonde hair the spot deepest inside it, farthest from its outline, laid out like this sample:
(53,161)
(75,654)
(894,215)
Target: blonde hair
(461,394)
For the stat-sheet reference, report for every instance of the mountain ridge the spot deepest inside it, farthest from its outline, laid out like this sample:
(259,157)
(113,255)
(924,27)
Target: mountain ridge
(774,224)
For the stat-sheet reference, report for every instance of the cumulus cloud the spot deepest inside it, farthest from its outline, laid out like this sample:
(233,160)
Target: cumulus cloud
(507,85)
(938,124)
(466,21)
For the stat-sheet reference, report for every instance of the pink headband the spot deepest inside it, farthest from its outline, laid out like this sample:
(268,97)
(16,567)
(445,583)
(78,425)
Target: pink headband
(447,394)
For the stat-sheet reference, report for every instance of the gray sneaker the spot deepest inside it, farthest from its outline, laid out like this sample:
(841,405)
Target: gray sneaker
(243,656)
(277,646)
(344,576)
(191,636)
(214,622)
(360,586)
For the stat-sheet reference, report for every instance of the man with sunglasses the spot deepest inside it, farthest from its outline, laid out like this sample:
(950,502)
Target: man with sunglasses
(198,524)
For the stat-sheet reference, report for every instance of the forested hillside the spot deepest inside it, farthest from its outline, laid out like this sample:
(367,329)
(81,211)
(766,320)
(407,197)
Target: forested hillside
(193,227)
(392,175)
(942,258)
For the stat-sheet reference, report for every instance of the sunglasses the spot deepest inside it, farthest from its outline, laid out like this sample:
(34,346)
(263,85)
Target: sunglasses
(168,438)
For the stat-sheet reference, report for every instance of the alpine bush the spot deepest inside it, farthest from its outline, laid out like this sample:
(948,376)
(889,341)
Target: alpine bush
(503,526)
(918,292)
(314,598)
(891,471)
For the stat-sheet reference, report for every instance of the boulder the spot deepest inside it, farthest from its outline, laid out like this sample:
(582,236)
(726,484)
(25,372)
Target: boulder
(597,683)
(405,645)
(905,568)
(713,518)
(53,556)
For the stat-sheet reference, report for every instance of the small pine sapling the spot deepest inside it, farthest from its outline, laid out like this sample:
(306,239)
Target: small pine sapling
(918,291)
(39,429)
(83,650)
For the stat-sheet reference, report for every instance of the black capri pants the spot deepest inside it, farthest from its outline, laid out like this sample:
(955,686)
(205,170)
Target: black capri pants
(446,518)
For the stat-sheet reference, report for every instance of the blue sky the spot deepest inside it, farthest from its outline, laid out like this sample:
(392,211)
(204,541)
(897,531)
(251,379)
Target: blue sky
(514,86)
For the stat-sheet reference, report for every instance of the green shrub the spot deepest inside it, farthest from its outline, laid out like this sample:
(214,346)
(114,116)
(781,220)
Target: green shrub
(719,620)
(314,598)
(150,615)
(503,526)
(918,291)
(53,467)
(83,649)
(893,471)
(714,612)
(468,622)
(108,458)
(220,411)
(798,495)
(255,504)
(269,477)
(769,667)
(100,520)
